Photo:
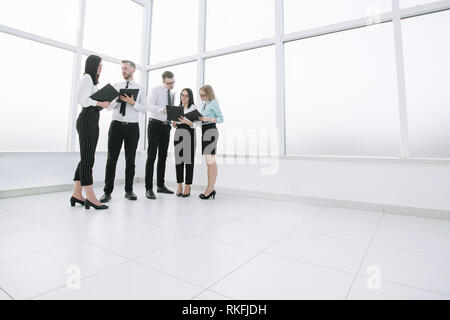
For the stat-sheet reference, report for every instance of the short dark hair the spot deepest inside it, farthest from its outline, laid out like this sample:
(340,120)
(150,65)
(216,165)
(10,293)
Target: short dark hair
(167,74)
(130,62)
(91,67)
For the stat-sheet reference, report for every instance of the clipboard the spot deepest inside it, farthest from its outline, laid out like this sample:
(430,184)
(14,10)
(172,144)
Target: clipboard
(107,93)
(174,112)
(193,115)
(129,92)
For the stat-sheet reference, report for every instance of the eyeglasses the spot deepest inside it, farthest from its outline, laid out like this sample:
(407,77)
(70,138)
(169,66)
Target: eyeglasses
(169,83)
(202,95)
(185,96)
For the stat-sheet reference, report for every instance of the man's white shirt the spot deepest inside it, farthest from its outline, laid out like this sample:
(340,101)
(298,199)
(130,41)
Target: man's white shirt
(158,101)
(131,112)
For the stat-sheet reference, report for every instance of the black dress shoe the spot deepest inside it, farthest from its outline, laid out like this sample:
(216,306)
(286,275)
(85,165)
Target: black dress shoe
(211,195)
(88,204)
(130,195)
(150,194)
(185,195)
(105,197)
(164,190)
(74,200)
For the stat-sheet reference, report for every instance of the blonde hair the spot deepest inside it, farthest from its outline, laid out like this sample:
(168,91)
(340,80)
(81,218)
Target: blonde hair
(209,92)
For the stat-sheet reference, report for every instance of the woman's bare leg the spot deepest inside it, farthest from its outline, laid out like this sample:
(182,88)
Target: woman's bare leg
(77,191)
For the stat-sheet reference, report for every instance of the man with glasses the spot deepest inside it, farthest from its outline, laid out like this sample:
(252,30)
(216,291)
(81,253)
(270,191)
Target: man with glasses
(159,134)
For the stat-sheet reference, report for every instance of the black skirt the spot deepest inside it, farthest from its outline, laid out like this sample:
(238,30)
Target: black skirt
(210,135)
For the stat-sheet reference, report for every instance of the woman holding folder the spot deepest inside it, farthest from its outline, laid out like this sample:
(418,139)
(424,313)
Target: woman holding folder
(185,143)
(88,131)
(211,115)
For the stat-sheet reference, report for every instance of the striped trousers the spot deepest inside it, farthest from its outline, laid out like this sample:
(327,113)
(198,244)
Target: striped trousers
(88,131)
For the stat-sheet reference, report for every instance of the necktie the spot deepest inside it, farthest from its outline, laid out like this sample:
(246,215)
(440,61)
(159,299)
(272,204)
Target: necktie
(123,104)
(169,101)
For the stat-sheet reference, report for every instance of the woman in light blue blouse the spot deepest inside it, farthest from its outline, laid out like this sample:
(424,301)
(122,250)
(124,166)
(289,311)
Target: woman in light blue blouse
(211,115)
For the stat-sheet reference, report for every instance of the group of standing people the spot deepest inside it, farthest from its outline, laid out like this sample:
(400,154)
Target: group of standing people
(124,130)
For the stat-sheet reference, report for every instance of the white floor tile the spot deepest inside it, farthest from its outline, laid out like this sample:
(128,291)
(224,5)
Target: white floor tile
(419,270)
(198,260)
(366,289)
(270,277)
(25,242)
(432,242)
(192,223)
(342,254)
(136,241)
(26,277)
(281,214)
(247,235)
(11,223)
(127,281)
(92,224)
(416,223)
(350,224)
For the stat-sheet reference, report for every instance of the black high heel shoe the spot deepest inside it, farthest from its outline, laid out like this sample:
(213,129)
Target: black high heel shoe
(74,200)
(211,195)
(185,195)
(88,204)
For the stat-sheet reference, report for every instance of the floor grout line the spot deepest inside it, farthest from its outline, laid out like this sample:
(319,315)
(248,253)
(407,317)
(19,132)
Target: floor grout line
(408,286)
(5,292)
(364,257)
(252,258)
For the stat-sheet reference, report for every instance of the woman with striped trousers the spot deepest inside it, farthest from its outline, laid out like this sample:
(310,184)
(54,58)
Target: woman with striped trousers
(88,132)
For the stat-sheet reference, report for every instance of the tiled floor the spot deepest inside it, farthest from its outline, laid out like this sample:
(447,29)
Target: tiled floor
(232,247)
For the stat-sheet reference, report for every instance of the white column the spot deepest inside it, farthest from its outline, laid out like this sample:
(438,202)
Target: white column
(280,89)
(76,74)
(402,103)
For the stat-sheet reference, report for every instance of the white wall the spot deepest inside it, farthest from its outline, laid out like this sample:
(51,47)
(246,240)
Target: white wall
(389,182)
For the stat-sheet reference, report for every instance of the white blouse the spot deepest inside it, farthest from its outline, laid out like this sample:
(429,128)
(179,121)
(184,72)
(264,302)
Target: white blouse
(86,88)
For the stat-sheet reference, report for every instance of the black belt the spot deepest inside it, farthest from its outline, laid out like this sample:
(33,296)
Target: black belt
(159,121)
(125,123)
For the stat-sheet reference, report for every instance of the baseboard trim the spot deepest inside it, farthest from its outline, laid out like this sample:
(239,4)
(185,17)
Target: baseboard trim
(385,208)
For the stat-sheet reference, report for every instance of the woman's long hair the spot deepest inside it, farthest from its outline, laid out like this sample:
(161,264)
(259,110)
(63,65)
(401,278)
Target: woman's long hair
(191,97)
(91,67)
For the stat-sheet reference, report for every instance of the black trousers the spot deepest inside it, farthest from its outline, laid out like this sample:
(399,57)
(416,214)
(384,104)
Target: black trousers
(185,142)
(127,134)
(88,131)
(158,143)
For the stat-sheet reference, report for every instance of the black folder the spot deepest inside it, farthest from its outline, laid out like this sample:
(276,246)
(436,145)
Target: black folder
(129,92)
(107,93)
(193,115)
(174,112)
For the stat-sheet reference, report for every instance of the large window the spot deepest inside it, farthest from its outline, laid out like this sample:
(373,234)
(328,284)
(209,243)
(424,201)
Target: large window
(36,83)
(303,15)
(244,84)
(232,22)
(174,29)
(55,19)
(427,68)
(335,87)
(114,28)
(341,96)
